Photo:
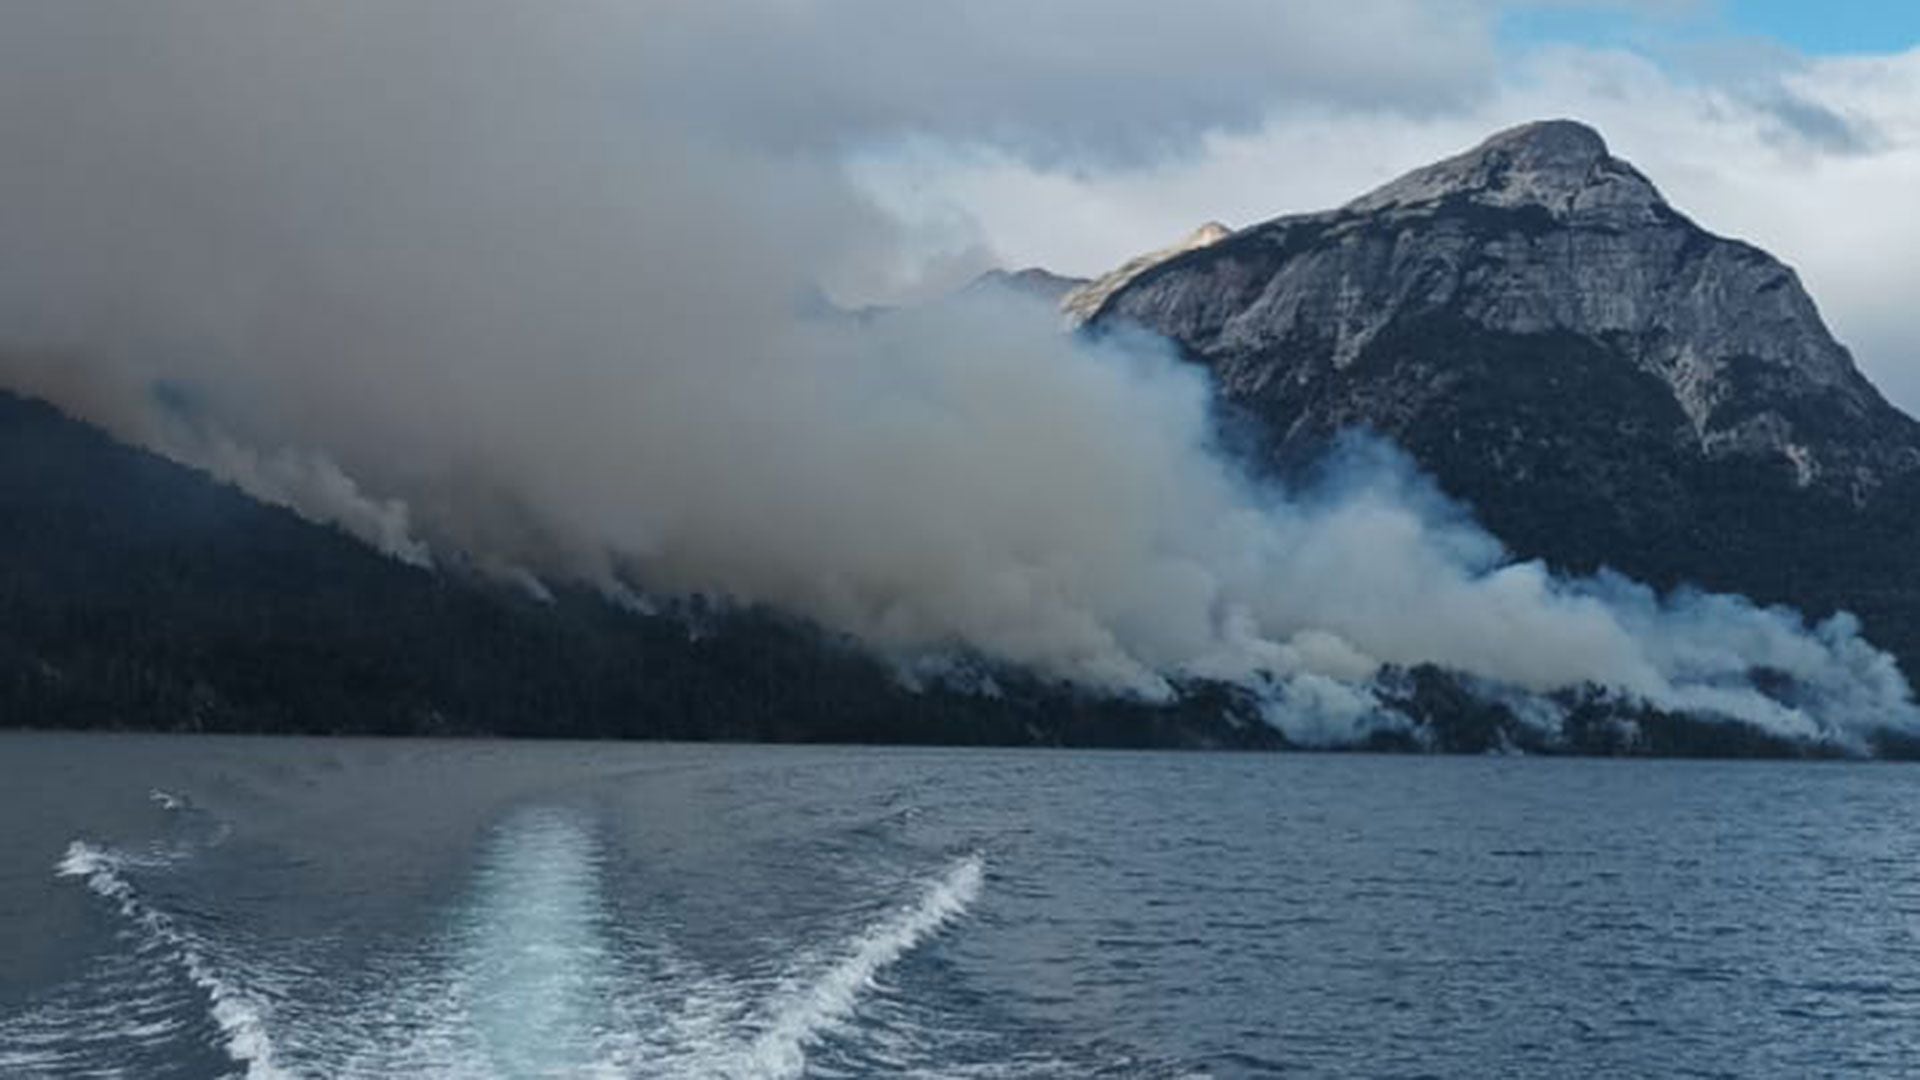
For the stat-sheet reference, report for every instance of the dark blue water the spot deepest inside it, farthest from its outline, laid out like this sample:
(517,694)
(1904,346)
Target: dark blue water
(198,907)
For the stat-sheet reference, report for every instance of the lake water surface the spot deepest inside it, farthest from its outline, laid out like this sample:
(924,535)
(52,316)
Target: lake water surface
(202,907)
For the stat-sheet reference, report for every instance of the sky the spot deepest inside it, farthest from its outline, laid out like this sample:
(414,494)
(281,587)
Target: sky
(1793,125)
(1857,26)
(1863,26)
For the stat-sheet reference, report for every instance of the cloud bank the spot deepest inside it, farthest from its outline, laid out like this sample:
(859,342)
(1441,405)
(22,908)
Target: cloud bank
(542,287)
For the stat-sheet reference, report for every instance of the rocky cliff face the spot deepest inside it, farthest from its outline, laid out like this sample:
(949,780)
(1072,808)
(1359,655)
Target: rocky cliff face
(1607,382)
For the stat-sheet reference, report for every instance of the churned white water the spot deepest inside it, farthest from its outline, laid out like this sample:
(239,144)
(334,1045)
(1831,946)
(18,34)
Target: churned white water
(529,977)
(240,1014)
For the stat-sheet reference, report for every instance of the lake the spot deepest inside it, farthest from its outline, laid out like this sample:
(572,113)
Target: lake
(176,906)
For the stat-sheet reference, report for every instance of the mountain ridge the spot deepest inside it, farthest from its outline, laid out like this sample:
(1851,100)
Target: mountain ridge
(140,594)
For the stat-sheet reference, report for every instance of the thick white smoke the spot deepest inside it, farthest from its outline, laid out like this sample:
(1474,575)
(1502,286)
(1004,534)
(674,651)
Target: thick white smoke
(516,282)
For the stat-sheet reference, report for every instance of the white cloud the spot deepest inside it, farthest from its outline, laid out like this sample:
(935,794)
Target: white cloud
(1070,82)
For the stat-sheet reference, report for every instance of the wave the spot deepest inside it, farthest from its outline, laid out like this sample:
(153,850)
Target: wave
(241,1018)
(65,1032)
(800,1017)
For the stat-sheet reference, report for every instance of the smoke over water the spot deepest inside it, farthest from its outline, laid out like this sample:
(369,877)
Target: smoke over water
(534,288)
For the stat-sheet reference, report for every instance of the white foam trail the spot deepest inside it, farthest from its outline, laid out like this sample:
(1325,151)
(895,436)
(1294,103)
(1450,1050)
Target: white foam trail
(167,800)
(240,1018)
(801,1016)
(537,963)
(529,978)
(533,980)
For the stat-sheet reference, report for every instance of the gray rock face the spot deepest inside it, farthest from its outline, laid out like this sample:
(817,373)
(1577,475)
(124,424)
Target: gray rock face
(1606,383)
(1560,165)
(1538,231)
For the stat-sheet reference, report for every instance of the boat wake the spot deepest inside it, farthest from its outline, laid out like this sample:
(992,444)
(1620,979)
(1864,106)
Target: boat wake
(530,975)
(241,1016)
(800,1016)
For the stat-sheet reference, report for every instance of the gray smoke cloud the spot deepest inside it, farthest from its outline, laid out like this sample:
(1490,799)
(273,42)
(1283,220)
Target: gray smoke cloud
(540,285)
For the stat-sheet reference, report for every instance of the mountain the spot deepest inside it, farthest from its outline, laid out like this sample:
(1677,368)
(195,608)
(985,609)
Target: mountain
(1603,380)
(139,594)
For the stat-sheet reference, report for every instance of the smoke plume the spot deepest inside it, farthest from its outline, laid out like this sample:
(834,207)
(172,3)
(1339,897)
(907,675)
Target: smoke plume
(541,285)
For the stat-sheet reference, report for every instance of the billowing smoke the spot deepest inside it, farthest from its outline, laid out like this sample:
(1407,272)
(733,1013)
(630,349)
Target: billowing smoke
(542,286)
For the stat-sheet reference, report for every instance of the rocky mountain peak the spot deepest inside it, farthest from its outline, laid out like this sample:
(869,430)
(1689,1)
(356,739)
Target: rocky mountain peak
(1562,166)
(1211,233)
(1080,304)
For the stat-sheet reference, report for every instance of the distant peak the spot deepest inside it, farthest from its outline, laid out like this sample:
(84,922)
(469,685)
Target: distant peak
(1560,165)
(1211,233)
